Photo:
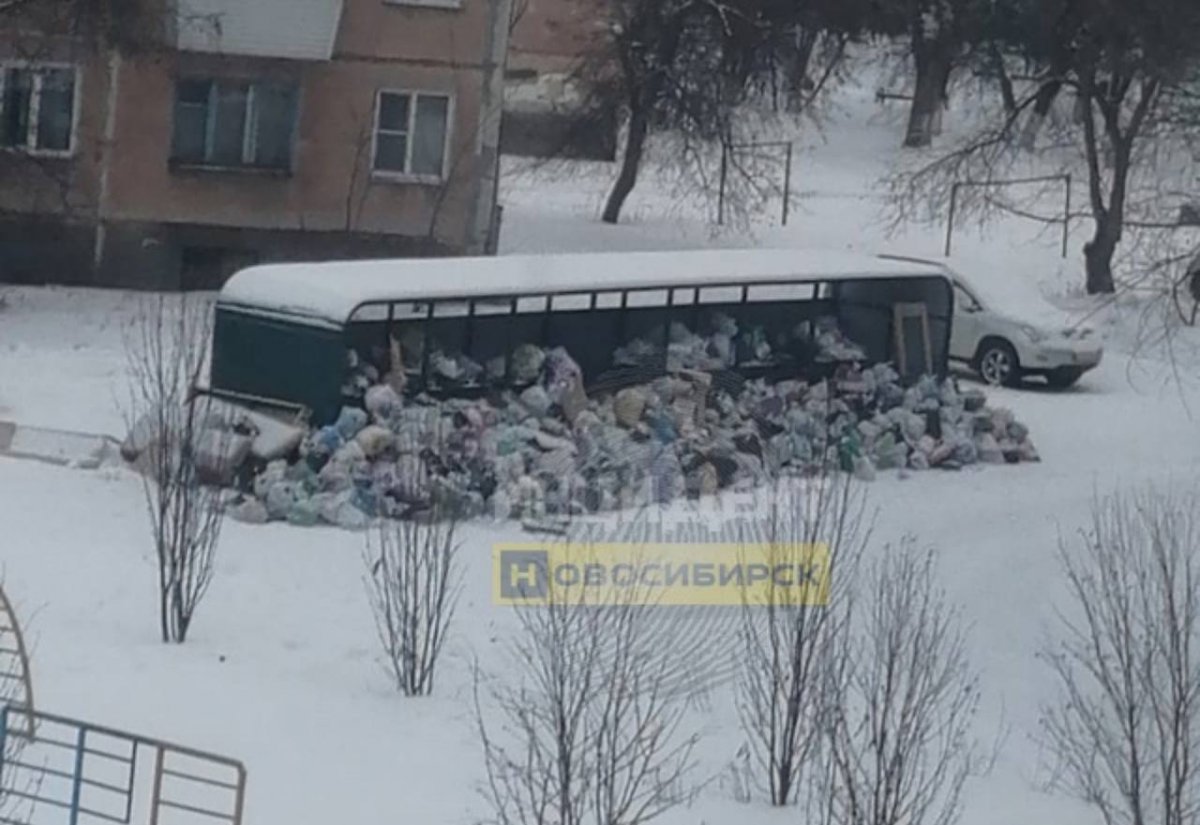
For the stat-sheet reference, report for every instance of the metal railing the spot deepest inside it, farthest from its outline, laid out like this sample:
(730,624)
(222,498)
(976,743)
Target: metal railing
(16,681)
(71,772)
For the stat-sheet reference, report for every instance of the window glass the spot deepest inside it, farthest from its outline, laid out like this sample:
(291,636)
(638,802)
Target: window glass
(571,303)
(532,304)
(779,292)
(191,120)
(451,309)
(391,138)
(229,129)
(393,112)
(647,298)
(275,116)
(683,297)
(720,295)
(56,110)
(410,134)
(234,124)
(390,151)
(18,92)
(493,306)
(429,135)
(965,302)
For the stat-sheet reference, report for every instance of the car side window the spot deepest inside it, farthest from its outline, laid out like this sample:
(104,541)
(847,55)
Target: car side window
(964,300)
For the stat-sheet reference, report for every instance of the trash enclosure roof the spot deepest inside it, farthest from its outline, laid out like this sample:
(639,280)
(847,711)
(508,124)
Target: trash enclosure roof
(329,293)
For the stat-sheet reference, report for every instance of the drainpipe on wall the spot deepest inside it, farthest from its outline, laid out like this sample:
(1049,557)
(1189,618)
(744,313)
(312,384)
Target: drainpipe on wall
(110,133)
(486,184)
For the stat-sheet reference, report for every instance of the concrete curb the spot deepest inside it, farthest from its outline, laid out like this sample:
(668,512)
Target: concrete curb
(63,448)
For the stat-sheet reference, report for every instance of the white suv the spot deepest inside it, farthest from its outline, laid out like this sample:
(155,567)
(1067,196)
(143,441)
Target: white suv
(1004,347)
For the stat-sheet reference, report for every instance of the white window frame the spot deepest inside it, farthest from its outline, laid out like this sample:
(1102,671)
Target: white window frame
(249,124)
(448,5)
(408,176)
(38,70)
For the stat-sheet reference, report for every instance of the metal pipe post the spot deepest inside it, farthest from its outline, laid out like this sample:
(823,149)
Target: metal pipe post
(787,183)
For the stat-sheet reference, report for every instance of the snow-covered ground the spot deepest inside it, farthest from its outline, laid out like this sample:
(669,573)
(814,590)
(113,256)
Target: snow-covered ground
(282,671)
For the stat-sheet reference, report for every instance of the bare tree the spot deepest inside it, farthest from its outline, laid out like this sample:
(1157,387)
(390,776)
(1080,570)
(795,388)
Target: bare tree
(166,358)
(590,731)
(902,747)
(358,187)
(519,9)
(1128,75)
(793,667)
(1125,728)
(413,584)
(662,62)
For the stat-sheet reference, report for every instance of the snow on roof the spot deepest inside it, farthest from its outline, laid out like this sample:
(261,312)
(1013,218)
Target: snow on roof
(331,292)
(296,29)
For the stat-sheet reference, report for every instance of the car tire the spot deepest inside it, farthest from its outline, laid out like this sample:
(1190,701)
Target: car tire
(1063,377)
(997,364)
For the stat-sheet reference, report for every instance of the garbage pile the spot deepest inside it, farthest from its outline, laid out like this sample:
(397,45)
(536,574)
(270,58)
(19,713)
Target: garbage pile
(727,345)
(549,450)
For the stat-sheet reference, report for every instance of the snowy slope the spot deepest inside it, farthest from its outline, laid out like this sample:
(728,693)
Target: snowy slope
(282,672)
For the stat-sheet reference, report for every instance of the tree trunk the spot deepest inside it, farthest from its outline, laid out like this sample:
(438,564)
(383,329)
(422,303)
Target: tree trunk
(1110,226)
(933,74)
(1098,254)
(1007,93)
(799,59)
(1042,105)
(635,143)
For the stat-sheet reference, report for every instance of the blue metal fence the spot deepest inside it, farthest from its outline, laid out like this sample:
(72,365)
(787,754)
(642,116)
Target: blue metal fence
(62,771)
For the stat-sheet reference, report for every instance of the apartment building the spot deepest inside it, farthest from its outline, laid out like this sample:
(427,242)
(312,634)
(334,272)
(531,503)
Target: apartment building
(257,130)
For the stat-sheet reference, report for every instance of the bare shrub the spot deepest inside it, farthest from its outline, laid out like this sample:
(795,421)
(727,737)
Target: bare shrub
(590,730)
(413,583)
(902,748)
(166,358)
(1124,729)
(793,670)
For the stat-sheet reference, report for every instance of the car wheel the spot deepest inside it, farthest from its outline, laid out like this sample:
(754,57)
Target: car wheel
(1064,377)
(997,364)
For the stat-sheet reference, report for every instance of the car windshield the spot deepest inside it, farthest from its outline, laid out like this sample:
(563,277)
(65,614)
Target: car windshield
(1006,294)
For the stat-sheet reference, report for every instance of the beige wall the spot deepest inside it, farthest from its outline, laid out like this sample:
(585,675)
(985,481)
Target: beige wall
(333,152)
(46,183)
(384,30)
(136,214)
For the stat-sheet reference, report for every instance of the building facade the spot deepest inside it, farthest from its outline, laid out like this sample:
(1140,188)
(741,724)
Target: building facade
(263,130)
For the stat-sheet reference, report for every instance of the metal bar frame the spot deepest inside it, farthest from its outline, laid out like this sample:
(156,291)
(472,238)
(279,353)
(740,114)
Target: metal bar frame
(77,784)
(1066,221)
(623,307)
(83,731)
(9,615)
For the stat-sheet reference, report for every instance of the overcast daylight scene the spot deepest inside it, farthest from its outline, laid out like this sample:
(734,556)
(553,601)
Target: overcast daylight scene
(599,412)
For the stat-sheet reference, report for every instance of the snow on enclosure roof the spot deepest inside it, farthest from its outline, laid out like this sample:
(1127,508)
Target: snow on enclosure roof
(331,292)
(296,29)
